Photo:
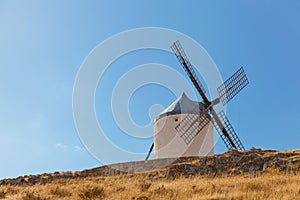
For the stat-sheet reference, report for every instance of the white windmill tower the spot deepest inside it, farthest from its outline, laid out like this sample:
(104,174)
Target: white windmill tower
(169,144)
(185,128)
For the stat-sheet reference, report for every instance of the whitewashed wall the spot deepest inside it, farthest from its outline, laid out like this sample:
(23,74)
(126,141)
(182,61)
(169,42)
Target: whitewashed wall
(168,143)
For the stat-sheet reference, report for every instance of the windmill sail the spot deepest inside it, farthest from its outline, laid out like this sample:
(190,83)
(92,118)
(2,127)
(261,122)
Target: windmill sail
(191,125)
(180,54)
(231,140)
(232,86)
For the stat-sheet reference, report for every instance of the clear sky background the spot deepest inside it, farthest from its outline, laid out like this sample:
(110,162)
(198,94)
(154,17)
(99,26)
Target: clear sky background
(43,43)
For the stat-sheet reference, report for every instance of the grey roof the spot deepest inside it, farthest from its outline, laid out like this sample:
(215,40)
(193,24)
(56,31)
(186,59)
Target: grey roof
(181,105)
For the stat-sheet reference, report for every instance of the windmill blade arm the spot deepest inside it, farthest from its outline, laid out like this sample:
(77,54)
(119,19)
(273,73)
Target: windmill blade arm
(191,125)
(226,131)
(180,54)
(232,86)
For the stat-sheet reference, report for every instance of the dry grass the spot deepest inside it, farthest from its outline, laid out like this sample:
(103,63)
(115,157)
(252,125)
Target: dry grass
(270,186)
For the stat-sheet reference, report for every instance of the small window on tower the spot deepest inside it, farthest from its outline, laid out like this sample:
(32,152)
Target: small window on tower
(176,120)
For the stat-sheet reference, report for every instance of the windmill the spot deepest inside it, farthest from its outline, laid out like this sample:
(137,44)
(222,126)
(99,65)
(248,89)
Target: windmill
(191,125)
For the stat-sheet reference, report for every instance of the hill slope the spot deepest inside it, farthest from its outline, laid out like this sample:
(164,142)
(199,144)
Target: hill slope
(253,174)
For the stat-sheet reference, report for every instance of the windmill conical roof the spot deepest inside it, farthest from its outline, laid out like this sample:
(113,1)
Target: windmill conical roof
(182,105)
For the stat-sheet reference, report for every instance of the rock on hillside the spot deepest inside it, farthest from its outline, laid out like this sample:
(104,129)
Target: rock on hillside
(233,162)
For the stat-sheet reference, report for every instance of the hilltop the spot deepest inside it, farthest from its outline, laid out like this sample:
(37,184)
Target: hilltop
(252,174)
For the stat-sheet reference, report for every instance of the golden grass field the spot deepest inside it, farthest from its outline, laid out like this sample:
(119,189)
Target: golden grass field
(271,185)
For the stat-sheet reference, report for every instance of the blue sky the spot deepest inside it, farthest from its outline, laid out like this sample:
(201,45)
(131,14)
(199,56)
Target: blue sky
(43,44)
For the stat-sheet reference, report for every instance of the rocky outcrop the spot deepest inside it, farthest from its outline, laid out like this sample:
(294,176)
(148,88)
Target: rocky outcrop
(233,162)
(254,161)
